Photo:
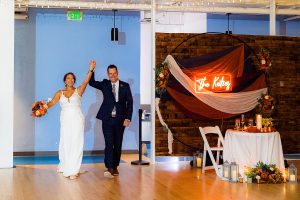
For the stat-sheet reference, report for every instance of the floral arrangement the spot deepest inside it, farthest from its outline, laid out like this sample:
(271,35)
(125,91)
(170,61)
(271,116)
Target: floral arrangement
(264,173)
(39,109)
(264,60)
(267,122)
(265,105)
(161,78)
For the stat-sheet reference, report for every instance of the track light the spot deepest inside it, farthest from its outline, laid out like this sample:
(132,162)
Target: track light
(114,30)
(228,31)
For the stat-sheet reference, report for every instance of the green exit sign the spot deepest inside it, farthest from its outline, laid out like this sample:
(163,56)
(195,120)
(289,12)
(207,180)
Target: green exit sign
(74,15)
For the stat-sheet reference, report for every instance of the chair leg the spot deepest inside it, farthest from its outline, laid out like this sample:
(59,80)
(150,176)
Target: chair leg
(214,163)
(204,161)
(218,157)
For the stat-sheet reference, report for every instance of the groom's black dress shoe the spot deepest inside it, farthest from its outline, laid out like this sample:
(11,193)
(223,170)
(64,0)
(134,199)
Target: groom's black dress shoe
(115,172)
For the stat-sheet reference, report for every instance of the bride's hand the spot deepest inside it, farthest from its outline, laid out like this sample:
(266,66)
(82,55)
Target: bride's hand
(92,65)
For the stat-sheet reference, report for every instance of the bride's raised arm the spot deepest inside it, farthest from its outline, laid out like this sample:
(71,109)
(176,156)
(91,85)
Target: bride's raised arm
(81,88)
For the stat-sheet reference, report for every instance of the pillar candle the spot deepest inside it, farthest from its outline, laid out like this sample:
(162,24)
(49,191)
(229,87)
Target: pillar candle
(233,175)
(258,122)
(226,174)
(199,162)
(292,177)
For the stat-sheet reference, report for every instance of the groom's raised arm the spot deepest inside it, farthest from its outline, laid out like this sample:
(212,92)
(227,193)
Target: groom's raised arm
(95,84)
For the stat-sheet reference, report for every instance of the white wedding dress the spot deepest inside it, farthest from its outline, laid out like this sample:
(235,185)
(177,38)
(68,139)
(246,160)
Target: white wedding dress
(71,134)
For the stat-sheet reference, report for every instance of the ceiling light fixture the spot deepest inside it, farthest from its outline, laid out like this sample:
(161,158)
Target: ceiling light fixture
(114,30)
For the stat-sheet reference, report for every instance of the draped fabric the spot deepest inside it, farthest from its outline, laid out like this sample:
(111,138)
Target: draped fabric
(232,62)
(231,103)
(197,109)
(247,86)
(170,134)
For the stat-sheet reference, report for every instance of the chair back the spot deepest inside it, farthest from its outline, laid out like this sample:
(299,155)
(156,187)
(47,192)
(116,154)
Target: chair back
(212,130)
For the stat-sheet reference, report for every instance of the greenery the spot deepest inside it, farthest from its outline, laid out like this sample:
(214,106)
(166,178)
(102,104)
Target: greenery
(267,122)
(162,74)
(265,106)
(265,173)
(264,60)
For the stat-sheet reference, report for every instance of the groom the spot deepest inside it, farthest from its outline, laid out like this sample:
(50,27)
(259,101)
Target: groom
(115,113)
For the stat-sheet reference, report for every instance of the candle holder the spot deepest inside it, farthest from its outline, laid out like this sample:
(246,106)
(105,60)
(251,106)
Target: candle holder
(258,181)
(269,129)
(249,180)
(250,122)
(242,121)
(284,178)
(265,129)
(292,173)
(194,159)
(199,160)
(237,124)
(234,172)
(241,180)
(226,170)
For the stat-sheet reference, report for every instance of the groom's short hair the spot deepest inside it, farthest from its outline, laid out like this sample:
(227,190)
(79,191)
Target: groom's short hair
(112,67)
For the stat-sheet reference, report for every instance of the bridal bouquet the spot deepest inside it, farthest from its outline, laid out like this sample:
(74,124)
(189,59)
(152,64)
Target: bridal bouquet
(39,108)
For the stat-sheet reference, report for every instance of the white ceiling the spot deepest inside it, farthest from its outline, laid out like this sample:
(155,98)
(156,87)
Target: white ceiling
(283,7)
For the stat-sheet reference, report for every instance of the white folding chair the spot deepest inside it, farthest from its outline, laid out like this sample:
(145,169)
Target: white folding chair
(207,148)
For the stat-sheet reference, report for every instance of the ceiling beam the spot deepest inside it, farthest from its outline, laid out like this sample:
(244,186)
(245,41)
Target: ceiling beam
(146,6)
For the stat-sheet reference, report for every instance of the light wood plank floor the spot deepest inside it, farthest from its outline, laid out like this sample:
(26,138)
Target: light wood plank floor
(161,181)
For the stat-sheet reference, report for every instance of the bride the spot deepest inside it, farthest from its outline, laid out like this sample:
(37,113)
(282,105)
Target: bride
(71,124)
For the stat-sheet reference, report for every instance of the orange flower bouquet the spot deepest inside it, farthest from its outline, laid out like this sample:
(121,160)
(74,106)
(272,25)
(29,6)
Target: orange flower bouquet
(39,109)
(264,173)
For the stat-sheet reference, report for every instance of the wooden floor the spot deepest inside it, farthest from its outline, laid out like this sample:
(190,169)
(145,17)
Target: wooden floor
(160,181)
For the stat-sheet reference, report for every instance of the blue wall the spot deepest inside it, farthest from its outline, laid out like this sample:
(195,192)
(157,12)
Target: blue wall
(24,92)
(252,26)
(62,46)
(293,28)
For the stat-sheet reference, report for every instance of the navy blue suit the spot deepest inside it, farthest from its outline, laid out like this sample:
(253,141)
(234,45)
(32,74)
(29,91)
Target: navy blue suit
(112,127)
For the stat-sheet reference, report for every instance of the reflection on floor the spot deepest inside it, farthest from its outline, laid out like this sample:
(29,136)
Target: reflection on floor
(164,180)
(48,160)
(173,158)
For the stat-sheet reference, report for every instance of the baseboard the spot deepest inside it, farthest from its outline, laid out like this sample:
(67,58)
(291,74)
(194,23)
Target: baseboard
(55,153)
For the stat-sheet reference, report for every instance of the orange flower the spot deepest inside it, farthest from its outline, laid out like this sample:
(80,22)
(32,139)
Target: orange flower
(264,175)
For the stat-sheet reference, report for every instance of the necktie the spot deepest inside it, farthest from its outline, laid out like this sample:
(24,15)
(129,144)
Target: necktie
(114,89)
(113,113)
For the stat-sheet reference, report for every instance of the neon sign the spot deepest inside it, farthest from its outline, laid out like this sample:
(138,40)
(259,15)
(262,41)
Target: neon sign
(214,83)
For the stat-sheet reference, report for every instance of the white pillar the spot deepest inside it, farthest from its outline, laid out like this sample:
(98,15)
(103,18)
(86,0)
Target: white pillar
(153,18)
(6,82)
(272,17)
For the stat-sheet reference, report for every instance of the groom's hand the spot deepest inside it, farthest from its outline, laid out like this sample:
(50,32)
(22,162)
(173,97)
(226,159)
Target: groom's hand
(126,123)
